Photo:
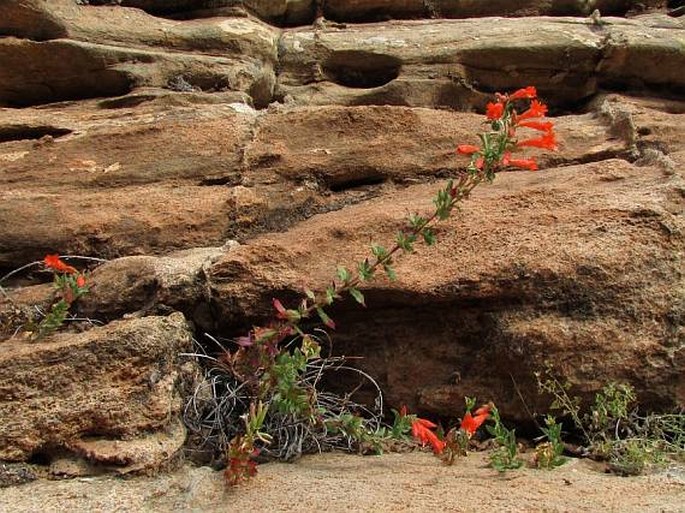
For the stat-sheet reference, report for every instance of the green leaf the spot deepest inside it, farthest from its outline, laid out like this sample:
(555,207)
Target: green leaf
(344,274)
(365,270)
(358,296)
(379,252)
(416,221)
(325,318)
(293,316)
(428,236)
(406,241)
(390,272)
(310,294)
(331,294)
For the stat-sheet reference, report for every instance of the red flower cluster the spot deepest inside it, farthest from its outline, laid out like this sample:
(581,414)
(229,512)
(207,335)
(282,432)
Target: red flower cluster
(471,423)
(502,110)
(53,262)
(421,430)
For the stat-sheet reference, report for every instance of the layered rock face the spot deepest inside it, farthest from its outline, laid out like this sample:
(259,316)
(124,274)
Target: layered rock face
(220,156)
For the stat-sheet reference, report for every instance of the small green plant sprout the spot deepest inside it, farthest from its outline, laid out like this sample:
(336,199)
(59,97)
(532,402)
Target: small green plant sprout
(562,400)
(505,455)
(549,454)
(612,408)
(401,424)
(242,449)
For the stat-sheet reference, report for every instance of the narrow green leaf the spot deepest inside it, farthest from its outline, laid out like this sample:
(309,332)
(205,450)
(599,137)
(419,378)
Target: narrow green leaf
(344,274)
(331,294)
(310,294)
(379,251)
(406,241)
(415,221)
(390,272)
(358,296)
(325,318)
(365,270)
(428,236)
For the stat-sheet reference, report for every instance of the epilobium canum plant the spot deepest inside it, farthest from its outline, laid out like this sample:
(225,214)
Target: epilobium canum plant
(279,366)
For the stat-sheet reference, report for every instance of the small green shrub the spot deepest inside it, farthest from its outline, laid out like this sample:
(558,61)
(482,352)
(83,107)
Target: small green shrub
(613,429)
(505,456)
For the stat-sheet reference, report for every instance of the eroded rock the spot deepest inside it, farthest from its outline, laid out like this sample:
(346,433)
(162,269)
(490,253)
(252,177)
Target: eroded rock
(108,51)
(458,63)
(374,10)
(579,267)
(77,393)
(226,172)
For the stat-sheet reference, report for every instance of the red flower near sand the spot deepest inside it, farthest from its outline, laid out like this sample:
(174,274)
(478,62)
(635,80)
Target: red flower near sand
(80,281)
(53,262)
(494,111)
(547,141)
(471,423)
(421,430)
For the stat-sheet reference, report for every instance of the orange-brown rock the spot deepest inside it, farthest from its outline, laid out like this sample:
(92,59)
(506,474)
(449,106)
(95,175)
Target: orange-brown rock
(580,267)
(459,63)
(147,174)
(366,10)
(73,394)
(86,51)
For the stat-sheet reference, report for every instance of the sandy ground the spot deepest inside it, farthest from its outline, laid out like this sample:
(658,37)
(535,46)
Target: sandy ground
(344,483)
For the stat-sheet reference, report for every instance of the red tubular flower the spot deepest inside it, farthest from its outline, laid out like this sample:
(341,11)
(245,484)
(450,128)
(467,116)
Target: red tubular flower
(80,281)
(547,141)
(536,110)
(526,93)
(494,111)
(467,149)
(542,126)
(421,430)
(470,424)
(53,262)
(522,163)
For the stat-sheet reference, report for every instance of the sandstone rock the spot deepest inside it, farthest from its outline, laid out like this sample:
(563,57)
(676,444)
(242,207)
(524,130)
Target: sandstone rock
(283,12)
(452,63)
(30,19)
(372,10)
(80,392)
(577,266)
(226,172)
(114,158)
(109,51)
(147,453)
(145,285)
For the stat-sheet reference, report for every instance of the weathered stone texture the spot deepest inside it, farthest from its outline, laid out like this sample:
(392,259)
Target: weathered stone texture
(118,382)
